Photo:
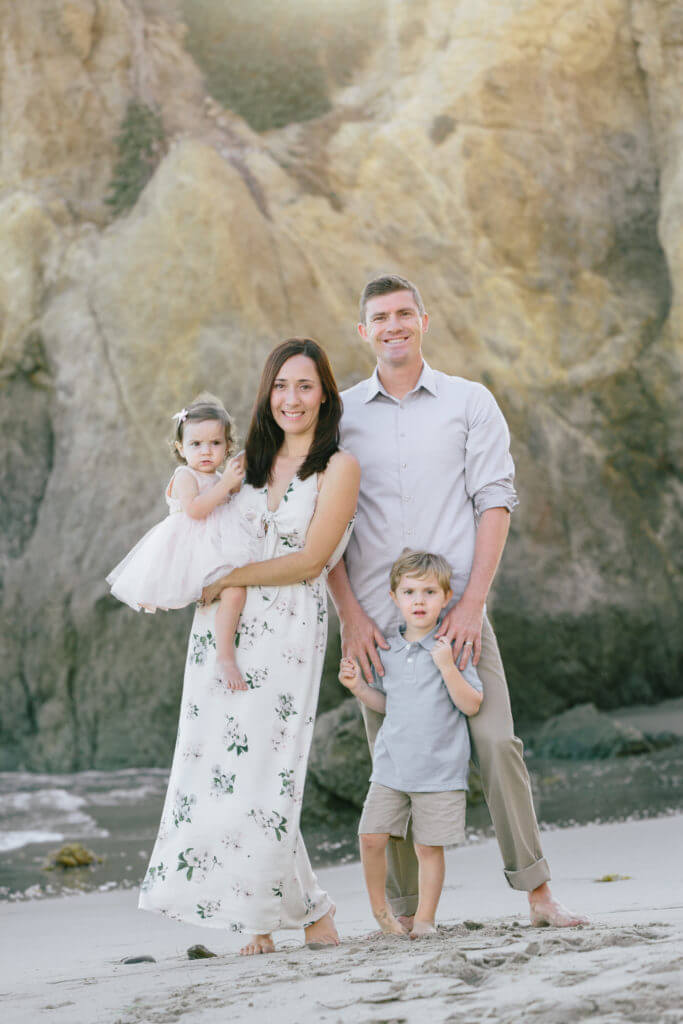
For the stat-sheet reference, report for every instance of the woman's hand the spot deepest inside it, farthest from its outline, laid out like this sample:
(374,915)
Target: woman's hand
(213,591)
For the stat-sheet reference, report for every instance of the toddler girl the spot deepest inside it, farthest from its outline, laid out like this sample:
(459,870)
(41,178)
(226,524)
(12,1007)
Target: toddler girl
(203,537)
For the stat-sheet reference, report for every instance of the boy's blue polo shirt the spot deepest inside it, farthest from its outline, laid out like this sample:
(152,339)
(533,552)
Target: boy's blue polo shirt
(423,745)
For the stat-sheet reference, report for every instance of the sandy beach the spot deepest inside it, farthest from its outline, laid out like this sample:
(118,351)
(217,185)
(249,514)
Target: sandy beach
(61,958)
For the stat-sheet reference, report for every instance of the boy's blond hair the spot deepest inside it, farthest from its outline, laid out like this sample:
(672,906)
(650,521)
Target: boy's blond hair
(420,563)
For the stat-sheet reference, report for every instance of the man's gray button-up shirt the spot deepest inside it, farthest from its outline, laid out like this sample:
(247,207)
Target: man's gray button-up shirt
(431,463)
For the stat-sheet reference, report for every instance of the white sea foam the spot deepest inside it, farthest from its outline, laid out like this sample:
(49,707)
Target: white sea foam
(114,797)
(37,807)
(15,840)
(50,800)
(42,816)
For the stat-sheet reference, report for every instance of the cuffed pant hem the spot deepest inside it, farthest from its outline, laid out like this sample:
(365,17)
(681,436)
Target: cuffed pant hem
(529,878)
(404,906)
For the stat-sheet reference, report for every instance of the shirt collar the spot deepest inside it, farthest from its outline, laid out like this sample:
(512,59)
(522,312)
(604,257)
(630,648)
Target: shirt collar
(427,641)
(426,380)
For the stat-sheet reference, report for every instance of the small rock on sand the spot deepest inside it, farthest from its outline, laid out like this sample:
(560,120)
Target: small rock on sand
(199,952)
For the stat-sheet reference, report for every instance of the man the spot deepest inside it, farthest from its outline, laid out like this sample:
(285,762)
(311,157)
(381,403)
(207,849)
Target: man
(436,475)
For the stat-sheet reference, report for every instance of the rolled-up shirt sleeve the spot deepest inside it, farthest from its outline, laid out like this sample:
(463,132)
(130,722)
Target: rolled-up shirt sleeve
(489,469)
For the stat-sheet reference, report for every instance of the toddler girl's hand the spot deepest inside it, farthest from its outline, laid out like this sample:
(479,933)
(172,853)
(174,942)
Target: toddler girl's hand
(349,675)
(234,472)
(442,655)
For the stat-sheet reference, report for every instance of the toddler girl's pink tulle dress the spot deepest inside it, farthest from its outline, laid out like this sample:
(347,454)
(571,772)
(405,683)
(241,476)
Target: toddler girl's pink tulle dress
(174,560)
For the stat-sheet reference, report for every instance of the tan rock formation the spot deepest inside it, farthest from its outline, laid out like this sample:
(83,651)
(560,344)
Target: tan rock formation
(514,160)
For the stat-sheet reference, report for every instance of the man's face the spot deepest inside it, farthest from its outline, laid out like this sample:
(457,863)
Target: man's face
(394,328)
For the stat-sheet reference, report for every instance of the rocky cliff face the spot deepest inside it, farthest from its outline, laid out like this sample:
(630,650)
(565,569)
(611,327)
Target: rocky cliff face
(524,164)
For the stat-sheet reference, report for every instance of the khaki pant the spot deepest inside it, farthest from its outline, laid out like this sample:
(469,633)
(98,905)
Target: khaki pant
(506,788)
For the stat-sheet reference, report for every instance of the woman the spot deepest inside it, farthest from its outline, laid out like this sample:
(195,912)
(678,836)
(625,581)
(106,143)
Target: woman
(229,851)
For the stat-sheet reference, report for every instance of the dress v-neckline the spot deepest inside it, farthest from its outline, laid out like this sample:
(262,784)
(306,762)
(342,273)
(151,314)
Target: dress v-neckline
(285,493)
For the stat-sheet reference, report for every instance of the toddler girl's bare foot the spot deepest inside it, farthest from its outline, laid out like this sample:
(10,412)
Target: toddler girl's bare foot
(388,923)
(423,930)
(259,944)
(323,932)
(229,674)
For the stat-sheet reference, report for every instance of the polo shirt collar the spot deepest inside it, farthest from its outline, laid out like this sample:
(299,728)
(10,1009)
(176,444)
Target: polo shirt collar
(426,380)
(427,641)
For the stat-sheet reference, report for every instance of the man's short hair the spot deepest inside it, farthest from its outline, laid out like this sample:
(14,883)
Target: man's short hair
(420,564)
(385,285)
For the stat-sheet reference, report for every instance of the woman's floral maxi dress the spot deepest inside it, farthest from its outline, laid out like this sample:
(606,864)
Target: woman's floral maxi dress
(229,853)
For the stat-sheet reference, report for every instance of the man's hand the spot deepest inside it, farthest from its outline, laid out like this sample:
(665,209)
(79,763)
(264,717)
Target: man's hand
(462,627)
(349,674)
(360,639)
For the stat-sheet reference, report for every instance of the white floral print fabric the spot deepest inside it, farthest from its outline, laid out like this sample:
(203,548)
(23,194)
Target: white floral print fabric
(229,853)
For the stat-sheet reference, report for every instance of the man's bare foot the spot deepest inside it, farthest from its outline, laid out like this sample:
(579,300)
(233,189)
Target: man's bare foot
(322,933)
(545,910)
(259,944)
(406,920)
(388,923)
(422,930)
(229,674)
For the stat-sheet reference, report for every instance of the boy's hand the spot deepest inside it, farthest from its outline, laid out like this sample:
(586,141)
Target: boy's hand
(233,474)
(442,655)
(349,674)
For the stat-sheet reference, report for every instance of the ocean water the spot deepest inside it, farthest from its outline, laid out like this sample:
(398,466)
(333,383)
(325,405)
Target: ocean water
(115,814)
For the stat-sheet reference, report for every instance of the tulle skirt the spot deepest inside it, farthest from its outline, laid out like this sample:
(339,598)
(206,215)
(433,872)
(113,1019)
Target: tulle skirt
(174,560)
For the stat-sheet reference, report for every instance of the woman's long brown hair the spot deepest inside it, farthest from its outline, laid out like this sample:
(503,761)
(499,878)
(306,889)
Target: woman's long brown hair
(265,437)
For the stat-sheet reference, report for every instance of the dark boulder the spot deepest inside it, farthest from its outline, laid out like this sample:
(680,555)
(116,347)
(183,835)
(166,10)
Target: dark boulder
(584,732)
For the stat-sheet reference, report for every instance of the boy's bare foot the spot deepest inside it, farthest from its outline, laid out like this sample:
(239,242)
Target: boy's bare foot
(229,674)
(388,923)
(259,944)
(322,933)
(423,930)
(545,910)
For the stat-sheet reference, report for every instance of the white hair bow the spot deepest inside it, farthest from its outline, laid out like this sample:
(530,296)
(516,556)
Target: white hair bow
(179,417)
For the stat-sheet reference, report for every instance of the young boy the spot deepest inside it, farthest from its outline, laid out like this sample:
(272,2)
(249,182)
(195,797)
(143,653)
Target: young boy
(422,751)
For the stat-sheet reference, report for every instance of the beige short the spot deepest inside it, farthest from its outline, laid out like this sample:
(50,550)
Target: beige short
(438,818)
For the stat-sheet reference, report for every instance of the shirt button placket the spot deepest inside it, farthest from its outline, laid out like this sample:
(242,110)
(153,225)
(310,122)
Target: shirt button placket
(403,462)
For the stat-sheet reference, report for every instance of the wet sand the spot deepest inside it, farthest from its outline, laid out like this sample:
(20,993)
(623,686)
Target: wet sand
(60,958)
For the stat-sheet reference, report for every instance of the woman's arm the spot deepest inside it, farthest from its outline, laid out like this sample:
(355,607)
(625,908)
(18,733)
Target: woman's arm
(335,507)
(199,506)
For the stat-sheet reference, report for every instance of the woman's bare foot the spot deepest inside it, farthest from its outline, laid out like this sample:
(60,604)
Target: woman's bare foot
(229,674)
(259,944)
(422,930)
(388,923)
(322,932)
